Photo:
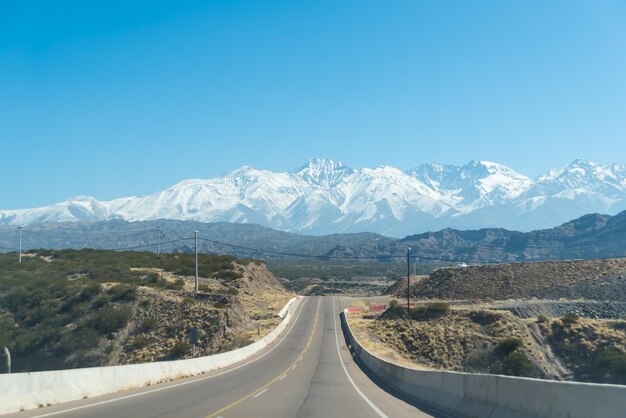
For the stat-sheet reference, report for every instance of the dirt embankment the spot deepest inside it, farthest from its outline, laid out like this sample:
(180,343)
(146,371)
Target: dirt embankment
(227,315)
(602,279)
(459,339)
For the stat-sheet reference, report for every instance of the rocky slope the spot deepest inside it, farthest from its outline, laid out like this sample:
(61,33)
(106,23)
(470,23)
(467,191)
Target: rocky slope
(66,309)
(602,279)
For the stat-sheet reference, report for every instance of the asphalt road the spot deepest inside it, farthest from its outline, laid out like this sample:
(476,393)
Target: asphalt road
(307,372)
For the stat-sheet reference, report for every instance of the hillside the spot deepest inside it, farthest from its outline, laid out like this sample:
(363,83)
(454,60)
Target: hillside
(601,279)
(69,308)
(590,236)
(122,234)
(478,339)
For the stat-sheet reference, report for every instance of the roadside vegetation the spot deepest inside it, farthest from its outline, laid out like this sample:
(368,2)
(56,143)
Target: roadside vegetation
(78,308)
(594,349)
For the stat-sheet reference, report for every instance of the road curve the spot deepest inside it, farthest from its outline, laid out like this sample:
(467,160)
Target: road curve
(307,372)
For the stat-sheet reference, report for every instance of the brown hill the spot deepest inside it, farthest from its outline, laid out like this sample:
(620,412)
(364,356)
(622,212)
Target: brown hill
(601,279)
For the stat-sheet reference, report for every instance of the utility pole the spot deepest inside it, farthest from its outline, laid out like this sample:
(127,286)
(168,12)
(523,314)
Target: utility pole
(196,281)
(20,254)
(408,283)
(158,249)
(7,356)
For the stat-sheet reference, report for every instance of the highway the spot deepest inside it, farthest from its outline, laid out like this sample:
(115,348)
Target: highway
(307,372)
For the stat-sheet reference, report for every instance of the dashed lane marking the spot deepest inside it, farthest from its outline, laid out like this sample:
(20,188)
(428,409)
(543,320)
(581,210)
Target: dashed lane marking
(261,393)
(265,386)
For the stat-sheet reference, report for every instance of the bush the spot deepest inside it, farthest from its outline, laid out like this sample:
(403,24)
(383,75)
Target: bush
(140,341)
(517,363)
(542,319)
(179,350)
(109,319)
(438,307)
(484,317)
(100,302)
(90,291)
(232,291)
(570,318)
(123,292)
(608,365)
(177,285)
(148,324)
(393,303)
(430,310)
(508,345)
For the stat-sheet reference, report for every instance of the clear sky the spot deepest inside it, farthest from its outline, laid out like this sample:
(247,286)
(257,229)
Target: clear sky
(115,98)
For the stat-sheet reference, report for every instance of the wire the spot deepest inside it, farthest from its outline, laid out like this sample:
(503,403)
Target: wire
(149,245)
(241,247)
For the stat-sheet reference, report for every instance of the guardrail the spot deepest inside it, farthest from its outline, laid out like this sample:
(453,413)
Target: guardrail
(30,390)
(493,396)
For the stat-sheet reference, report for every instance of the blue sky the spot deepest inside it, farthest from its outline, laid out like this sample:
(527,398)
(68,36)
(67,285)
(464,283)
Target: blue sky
(121,98)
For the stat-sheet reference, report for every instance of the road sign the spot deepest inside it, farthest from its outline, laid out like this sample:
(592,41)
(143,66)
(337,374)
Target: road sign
(193,335)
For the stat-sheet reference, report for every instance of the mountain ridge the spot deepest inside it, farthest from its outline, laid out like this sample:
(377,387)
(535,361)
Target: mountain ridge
(325,196)
(589,236)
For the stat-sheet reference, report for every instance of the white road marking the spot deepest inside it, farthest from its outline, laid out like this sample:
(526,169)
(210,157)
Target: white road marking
(365,398)
(261,393)
(283,377)
(177,384)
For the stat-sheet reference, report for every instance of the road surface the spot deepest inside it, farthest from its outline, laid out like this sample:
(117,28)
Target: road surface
(307,372)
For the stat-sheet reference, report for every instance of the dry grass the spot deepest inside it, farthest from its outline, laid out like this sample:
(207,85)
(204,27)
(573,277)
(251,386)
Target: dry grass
(460,340)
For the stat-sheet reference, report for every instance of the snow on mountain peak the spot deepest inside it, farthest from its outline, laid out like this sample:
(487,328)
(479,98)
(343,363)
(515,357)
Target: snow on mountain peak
(323,172)
(325,196)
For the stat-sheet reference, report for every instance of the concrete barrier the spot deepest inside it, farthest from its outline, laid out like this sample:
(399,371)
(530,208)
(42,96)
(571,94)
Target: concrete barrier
(492,396)
(31,390)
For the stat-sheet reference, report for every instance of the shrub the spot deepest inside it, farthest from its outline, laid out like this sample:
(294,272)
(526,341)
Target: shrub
(179,349)
(570,318)
(542,319)
(608,365)
(90,291)
(517,363)
(484,317)
(229,275)
(438,307)
(177,285)
(100,302)
(232,291)
(148,324)
(393,303)
(204,288)
(430,310)
(123,292)
(508,345)
(219,305)
(109,319)
(140,341)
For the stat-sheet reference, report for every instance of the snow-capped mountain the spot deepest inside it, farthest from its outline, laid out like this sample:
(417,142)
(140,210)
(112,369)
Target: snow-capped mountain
(325,196)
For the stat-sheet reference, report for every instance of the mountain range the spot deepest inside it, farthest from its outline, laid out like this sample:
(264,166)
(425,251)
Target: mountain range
(590,236)
(326,197)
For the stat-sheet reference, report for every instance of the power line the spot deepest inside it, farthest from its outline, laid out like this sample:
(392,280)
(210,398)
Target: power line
(259,250)
(148,245)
